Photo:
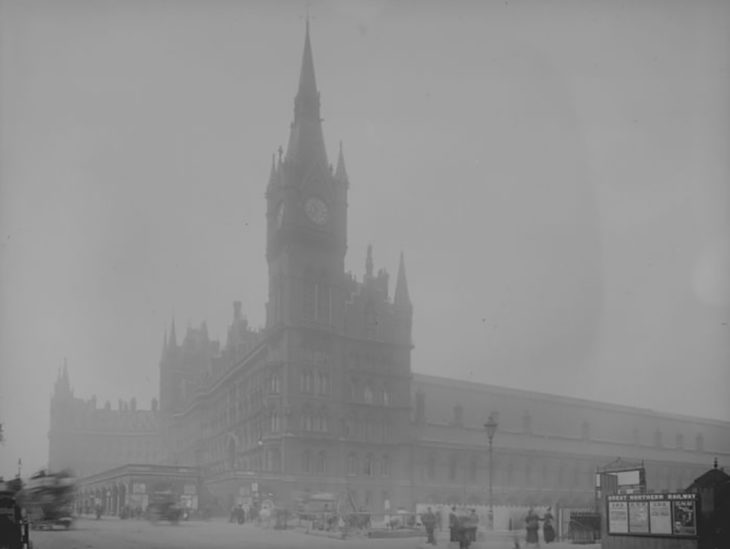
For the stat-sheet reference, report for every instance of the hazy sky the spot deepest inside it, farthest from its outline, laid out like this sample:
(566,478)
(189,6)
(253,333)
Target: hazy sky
(555,172)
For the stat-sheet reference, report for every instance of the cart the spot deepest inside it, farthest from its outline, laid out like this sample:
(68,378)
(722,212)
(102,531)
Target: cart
(48,500)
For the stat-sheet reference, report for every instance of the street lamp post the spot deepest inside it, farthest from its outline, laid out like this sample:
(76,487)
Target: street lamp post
(491,427)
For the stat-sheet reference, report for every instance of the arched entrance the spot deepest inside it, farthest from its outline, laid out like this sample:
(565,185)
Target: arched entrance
(114,500)
(122,498)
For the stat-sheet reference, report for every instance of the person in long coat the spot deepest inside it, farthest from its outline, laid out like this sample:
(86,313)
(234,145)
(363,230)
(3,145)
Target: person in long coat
(548,531)
(532,525)
(453,525)
(429,523)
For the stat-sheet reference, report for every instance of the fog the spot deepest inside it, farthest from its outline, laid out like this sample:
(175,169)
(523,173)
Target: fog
(556,177)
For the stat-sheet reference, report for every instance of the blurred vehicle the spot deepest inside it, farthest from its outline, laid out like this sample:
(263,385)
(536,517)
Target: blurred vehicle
(47,499)
(164,506)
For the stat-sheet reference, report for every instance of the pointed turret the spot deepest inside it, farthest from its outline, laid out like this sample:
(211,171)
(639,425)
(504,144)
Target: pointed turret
(306,143)
(172,342)
(369,263)
(62,386)
(341,170)
(164,343)
(401,298)
(272,175)
(65,372)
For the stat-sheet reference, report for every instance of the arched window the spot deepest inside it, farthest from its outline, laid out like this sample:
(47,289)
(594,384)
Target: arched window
(368,468)
(700,442)
(323,420)
(386,397)
(306,419)
(452,467)
(275,384)
(323,383)
(368,395)
(385,466)
(306,461)
(321,462)
(431,466)
(351,465)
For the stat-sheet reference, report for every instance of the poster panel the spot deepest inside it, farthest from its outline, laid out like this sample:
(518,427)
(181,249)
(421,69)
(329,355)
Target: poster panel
(660,517)
(684,518)
(618,518)
(639,517)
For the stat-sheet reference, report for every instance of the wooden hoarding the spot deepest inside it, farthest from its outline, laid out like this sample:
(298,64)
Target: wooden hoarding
(654,515)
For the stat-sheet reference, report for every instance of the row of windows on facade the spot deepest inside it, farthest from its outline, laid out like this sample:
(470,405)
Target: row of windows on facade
(370,466)
(316,462)
(508,472)
(309,421)
(458,419)
(366,394)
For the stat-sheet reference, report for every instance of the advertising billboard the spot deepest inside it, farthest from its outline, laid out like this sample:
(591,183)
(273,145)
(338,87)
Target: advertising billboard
(668,515)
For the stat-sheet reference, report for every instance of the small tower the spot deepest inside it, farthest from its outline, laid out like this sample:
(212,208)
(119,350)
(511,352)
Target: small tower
(402,305)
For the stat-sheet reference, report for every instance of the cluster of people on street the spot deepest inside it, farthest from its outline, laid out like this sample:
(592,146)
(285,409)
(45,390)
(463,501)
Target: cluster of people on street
(532,526)
(463,526)
(238,514)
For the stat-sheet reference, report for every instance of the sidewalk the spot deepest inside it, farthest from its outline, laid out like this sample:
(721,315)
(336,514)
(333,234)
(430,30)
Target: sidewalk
(502,540)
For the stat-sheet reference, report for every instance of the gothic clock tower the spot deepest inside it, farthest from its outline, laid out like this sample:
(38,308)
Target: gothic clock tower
(339,349)
(307,220)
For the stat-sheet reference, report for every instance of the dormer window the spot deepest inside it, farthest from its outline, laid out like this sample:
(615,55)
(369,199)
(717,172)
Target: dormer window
(458,415)
(527,423)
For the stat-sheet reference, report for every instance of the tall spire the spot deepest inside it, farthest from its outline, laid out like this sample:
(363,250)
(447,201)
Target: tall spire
(307,80)
(401,297)
(306,142)
(340,170)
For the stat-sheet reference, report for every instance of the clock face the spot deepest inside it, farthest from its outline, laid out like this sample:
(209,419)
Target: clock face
(316,211)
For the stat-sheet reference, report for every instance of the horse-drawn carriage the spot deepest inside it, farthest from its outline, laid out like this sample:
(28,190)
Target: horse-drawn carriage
(164,506)
(47,499)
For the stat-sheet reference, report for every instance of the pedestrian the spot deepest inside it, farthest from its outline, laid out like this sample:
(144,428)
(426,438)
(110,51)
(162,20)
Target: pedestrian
(548,532)
(429,523)
(532,525)
(453,526)
(473,524)
(464,532)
